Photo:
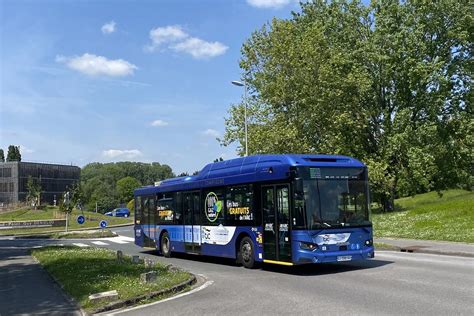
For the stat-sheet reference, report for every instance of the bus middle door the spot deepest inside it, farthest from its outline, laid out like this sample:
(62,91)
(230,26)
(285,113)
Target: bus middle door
(192,228)
(276,223)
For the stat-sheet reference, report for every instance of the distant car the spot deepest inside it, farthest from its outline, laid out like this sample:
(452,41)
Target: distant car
(119,212)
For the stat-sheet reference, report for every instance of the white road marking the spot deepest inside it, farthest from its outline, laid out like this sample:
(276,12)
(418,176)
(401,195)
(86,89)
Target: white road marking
(202,287)
(126,238)
(120,239)
(80,244)
(100,243)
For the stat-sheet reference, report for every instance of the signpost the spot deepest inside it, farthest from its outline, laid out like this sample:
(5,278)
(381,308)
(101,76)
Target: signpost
(81,219)
(103,224)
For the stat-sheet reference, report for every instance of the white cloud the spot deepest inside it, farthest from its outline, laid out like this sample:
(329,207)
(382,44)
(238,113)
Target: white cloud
(159,123)
(93,65)
(122,154)
(108,28)
(167,34)
(211,132)
(199,48)
(173,37)
(268,3)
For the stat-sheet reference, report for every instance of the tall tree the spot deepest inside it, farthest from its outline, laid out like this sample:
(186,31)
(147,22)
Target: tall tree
(33,194)
(388,83)
(99,181)
(17,153)
(2,155)
(13,153)
(125,188)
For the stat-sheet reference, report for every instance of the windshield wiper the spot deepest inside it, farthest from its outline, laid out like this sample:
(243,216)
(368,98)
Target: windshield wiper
(327,225)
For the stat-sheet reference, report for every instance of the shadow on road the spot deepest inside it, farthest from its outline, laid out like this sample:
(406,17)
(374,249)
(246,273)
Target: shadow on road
(326,268)
(303,270)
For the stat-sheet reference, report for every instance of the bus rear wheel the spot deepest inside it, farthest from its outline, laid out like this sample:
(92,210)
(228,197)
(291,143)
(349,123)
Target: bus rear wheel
(246,253)
(165,245)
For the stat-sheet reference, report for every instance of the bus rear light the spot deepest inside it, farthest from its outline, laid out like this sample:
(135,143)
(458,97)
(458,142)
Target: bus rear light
(308,246)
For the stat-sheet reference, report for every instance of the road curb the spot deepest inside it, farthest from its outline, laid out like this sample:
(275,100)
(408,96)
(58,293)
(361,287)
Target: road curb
(438,252)
(412,249)
(131,301)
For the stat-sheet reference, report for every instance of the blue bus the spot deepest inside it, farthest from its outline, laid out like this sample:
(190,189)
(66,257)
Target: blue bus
(282,209)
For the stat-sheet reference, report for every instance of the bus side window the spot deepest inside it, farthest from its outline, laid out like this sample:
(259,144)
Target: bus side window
(145,203)
(138,209)
(213,204)
(178,215)
(239,205)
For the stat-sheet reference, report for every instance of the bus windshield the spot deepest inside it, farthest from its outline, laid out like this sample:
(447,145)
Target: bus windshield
(333,197)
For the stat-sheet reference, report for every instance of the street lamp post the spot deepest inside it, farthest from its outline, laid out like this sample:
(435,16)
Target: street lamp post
(243,84)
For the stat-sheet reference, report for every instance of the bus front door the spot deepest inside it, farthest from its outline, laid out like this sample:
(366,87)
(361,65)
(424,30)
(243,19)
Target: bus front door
(276,223)
(192,227)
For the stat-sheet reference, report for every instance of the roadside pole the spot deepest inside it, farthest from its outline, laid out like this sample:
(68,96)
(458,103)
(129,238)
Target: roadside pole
(67,207)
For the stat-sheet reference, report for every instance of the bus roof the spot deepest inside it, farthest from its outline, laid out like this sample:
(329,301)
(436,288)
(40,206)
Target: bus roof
(249,169)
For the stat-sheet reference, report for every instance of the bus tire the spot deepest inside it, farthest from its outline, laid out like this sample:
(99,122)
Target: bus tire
(165,245)
(246,253)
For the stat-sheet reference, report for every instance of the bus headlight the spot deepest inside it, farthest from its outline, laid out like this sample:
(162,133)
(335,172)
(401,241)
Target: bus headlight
(368,242)
(308,246)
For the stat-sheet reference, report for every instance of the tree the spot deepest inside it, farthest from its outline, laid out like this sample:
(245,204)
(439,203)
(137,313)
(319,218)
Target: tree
(33,194)
(2,155)
(388,83)
(125,188)
(99,181)
(13,153)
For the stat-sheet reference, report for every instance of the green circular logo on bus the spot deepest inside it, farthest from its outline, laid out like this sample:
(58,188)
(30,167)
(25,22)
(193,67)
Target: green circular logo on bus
(212,206)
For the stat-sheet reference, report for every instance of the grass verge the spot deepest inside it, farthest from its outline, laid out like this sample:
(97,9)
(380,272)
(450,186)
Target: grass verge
(50,212)
(85,271)
(449,217)
(72,235)
(384,246)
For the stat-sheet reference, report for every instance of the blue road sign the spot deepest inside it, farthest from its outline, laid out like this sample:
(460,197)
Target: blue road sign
(103,224)
(81,219)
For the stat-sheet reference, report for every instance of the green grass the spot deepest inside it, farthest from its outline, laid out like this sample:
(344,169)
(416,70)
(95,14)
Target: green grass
(384,246)
(86,271)
(51,212)
(83,234)
(429,216)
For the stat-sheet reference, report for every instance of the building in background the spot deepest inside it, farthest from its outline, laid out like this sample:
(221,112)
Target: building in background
(54,179)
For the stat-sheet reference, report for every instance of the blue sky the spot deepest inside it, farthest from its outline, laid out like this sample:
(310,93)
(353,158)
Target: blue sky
(85,81)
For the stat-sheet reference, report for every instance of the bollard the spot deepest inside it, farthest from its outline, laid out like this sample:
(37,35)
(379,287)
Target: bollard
(135,259)
(119,256)
(148,277)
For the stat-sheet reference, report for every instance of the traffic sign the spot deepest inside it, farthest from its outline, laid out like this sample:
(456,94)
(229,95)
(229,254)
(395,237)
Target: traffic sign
(81,219)
(103,224)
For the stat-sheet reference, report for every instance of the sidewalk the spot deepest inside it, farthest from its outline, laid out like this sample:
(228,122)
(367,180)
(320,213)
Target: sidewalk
(430,246)
(27,289)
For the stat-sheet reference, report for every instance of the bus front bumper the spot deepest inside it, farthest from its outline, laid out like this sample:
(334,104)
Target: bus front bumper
(318,256)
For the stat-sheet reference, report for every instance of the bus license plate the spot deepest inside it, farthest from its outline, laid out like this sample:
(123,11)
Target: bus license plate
(344,258)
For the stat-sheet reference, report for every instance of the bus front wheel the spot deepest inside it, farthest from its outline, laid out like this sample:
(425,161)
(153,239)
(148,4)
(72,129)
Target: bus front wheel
(246,253)
(165,245)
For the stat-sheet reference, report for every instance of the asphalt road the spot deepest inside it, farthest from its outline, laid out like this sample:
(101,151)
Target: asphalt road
(25,288)
(391,284)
